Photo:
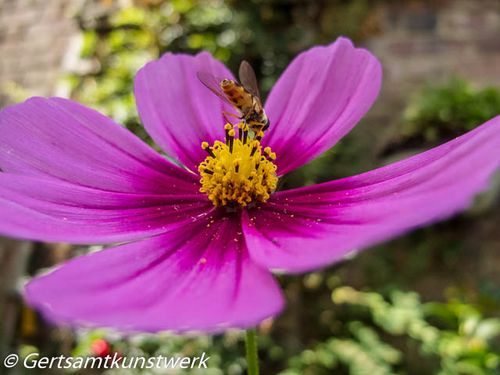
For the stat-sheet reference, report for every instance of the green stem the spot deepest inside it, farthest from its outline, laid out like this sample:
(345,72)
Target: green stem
(252,354)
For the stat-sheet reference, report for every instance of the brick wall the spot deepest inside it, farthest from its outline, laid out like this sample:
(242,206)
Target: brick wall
(419,41)
(35,37)
(428,41)
(35,40)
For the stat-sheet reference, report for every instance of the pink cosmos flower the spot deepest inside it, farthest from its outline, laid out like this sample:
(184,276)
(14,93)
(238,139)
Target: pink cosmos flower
(181,263)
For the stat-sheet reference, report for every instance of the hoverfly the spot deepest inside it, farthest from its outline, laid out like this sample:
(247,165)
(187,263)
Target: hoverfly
(243,96)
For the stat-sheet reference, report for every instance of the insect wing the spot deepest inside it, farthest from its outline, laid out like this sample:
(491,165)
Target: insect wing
(213,84)
(248,79)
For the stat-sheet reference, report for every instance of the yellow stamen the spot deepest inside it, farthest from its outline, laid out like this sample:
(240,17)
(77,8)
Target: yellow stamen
(237,172)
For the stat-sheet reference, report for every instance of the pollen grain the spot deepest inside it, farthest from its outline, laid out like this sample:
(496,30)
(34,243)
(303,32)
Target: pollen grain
(238,171)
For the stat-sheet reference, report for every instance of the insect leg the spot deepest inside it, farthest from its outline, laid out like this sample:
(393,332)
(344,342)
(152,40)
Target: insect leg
(231,114)
(226,119)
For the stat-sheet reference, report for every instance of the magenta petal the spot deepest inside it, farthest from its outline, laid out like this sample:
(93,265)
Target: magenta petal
(197,278)
(319,98)
(49,210)
(311,227)
(63,140)
(178,111)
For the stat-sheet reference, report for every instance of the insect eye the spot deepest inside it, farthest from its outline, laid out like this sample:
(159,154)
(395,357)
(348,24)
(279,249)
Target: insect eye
(225,82)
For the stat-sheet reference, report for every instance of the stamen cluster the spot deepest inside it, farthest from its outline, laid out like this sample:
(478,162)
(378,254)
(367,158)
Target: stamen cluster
(239,171)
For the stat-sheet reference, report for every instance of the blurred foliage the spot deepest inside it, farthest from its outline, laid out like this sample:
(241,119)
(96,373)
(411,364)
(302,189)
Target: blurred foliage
(369,335)
(266,33)
(459,337)
(448,110)
(126,39)
(224,351)
(385,331)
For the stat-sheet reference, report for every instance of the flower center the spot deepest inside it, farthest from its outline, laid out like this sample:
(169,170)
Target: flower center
(239,171)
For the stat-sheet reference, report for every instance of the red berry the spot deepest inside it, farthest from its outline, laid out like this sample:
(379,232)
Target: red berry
(100,348)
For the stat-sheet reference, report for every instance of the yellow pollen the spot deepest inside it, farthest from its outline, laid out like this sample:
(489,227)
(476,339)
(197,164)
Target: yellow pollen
(239,171)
